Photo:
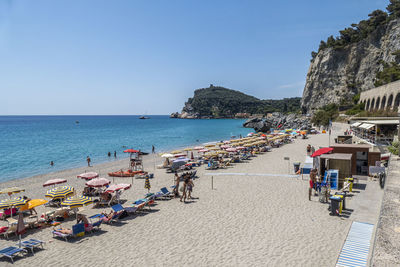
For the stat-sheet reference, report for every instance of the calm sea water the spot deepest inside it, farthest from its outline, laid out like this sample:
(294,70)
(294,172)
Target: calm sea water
(29,143)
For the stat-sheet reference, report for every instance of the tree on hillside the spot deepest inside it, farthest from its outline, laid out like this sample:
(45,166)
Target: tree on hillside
(394,8)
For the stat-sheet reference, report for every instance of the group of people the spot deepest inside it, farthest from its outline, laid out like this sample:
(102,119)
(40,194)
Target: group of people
(186,188)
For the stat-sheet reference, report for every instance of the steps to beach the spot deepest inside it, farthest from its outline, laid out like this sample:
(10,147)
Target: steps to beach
(355,250)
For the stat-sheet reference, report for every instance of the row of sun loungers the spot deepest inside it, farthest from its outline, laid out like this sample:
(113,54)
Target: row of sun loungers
(23,248)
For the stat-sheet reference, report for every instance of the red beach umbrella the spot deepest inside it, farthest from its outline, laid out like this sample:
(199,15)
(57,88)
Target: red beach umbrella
(321,151)
(131,151)
(98,182)
(115,187)
(88,175)
(54,182)
(231,149)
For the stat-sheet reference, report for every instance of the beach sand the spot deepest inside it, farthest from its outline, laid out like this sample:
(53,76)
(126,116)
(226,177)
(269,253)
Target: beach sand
(245,220)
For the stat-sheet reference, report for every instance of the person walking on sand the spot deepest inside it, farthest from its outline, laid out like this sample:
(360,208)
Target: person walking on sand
(177,181)
(185,183)
(88,161)
(190,187)
(153,149)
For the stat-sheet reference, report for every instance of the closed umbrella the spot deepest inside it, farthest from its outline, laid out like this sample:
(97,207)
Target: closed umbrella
(147,183)
(60,192)
(77,201)
(54,182)
(20,227)
(98,182)
(88,175)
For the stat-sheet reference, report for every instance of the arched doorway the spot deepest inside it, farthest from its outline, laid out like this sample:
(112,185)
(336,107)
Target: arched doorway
(378,101)
(368,102)
(383,103)
(373,103)
(397,101)
(390,102)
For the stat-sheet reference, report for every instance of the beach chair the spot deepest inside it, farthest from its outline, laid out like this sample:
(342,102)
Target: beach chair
(77,230)
(141,203)
(11,252)
(32,244)
(164,193)
(119,209)
(11,230)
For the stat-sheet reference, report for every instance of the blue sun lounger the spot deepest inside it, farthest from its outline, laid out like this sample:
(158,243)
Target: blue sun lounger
(11,252)
(32,244)
(77,230)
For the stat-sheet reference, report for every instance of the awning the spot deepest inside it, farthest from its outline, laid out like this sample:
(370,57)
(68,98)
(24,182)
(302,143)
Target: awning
(356,124)
(367,126)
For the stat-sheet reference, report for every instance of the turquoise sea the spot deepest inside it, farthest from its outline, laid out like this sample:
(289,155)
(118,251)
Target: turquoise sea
(29,143)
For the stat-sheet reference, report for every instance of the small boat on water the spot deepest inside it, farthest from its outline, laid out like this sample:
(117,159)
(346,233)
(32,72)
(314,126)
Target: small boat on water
(144,118)
(77,122)
(128,173)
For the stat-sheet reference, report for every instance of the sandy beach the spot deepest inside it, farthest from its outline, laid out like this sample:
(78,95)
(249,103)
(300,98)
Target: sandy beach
(258,219)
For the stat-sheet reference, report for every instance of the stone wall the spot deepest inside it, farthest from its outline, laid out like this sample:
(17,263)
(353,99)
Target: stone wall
(383,97)
(387,241)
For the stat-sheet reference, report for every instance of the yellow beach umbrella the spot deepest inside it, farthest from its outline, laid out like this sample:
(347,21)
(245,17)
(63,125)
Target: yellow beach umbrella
(176,152)
(33,204)
(60,192)
(77,201)
(209,145)
(213,148)
(188,149)
(220,144)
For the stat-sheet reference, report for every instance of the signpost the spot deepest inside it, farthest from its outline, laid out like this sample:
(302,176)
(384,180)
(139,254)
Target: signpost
(288,159)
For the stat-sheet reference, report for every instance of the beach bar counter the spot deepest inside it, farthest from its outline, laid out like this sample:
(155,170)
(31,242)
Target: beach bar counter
(361,158)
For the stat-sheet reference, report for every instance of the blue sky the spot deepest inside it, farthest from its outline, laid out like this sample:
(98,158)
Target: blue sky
(137,57)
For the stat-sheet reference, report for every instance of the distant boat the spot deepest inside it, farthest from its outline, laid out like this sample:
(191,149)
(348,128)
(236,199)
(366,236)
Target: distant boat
(144,118)
(77,122)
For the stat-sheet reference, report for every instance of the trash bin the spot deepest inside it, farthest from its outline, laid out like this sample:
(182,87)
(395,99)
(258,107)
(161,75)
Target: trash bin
(343,194)
(341,203)
(335,205)
(296,166)
(351,181)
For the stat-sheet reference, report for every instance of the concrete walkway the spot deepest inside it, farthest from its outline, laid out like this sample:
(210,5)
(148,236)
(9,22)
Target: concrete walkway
(387,245)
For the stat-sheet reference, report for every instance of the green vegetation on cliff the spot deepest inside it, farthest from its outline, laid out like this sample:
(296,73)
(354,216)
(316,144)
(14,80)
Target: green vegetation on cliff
(361,30)
(217,102)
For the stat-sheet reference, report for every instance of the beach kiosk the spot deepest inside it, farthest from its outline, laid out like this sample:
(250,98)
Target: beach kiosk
(337,161)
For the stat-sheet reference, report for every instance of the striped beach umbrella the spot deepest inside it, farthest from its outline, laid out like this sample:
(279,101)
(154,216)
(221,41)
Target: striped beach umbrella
(11,190)
(15,202)
(147,183)
(60,192)
(77,201)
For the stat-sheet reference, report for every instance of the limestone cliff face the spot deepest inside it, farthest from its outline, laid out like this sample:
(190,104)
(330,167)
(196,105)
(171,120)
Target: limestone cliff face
(335,75)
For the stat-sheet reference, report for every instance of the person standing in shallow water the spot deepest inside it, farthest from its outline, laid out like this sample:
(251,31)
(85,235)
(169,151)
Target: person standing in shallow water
(109,154)
(88,161)
(51,163)
(153,149)
(115,154)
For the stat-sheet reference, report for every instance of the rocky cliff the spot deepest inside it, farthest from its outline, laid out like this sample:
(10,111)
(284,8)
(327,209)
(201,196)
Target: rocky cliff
(337,74)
